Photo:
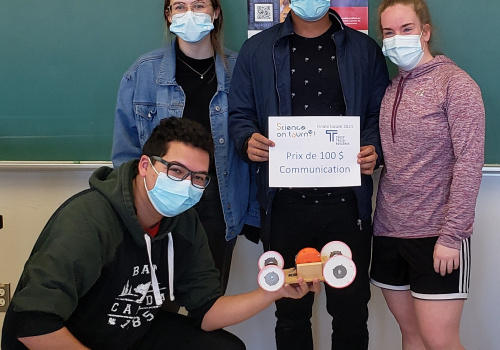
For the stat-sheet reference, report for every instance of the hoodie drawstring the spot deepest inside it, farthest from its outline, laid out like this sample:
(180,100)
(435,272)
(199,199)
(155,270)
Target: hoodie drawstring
(395,106)
(154,279)
(170,252)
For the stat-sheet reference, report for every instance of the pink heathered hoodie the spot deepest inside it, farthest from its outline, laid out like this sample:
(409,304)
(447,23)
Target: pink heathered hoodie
(432,128)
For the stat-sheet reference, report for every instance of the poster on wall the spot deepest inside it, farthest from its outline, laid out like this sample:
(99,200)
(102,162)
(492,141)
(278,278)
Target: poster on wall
(354,13)
(263,14)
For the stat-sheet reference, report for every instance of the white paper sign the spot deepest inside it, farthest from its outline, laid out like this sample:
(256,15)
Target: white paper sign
(314,151)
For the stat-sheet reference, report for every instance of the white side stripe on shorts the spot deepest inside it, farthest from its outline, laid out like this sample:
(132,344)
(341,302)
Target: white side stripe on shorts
(465,260)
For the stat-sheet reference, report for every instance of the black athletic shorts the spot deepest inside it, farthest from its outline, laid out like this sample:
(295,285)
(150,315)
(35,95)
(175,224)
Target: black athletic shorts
(407,264)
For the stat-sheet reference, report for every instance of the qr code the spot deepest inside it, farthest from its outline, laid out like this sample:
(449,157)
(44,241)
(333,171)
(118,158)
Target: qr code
(263,12)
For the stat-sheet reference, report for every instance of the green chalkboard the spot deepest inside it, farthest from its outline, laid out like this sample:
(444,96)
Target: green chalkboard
(466,32)
(61,62)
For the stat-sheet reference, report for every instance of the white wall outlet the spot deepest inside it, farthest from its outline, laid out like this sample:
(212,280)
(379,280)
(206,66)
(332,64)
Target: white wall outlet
(4,296)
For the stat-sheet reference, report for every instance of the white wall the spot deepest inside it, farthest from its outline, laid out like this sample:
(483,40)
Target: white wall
(29,197)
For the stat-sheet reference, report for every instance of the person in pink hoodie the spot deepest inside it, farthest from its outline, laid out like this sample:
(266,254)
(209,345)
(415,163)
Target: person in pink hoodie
(432,130)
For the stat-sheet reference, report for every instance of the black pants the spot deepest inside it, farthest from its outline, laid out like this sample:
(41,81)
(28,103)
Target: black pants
(299,221)
(209,210)
(171,331)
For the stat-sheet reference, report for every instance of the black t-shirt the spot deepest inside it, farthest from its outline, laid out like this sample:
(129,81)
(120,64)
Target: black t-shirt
(315,84)
(315,80)
(199,91)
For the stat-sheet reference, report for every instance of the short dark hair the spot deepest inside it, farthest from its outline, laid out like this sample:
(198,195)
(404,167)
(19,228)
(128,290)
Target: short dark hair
(182,130)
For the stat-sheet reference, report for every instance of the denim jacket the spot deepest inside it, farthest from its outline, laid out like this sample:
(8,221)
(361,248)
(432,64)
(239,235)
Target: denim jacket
(149,92)
(363,75)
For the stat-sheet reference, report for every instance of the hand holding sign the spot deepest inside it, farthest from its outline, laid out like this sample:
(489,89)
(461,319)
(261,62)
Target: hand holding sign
(367,159)
(258,148)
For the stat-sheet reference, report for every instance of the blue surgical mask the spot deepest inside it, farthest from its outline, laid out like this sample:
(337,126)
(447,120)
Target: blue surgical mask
(310,10)
(191,27)
(405,51)
(170,197)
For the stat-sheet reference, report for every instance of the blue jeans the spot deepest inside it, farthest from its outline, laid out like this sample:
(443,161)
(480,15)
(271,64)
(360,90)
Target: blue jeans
(300,221)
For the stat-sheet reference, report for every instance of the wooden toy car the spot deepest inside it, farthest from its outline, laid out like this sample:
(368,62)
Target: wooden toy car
(333,265)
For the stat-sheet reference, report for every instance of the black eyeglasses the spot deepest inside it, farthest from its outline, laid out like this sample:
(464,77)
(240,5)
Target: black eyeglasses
(178,172)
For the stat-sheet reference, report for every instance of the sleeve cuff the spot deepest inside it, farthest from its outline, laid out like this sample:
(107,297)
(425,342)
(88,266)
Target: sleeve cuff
(449,242)
(198,313)
(36,323)
(244,148)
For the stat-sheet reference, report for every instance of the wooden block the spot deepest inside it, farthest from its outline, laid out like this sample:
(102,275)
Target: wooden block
(309,272)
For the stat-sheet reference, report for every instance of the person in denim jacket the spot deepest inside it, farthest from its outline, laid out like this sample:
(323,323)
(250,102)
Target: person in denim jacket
(190,78)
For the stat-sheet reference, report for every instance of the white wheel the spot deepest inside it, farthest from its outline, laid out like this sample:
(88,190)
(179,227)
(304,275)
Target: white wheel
(339,271)
(271,258)
(336,248)
(271,278)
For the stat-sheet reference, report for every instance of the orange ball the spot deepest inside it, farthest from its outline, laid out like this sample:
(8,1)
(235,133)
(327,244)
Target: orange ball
(308,255)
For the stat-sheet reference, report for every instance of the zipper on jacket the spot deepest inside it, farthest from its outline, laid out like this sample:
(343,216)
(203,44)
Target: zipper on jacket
(276,71)
(276,80)
(360,224)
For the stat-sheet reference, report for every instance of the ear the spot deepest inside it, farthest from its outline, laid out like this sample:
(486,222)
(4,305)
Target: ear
(216,13)
(143,165)
(168,17)
(427,32)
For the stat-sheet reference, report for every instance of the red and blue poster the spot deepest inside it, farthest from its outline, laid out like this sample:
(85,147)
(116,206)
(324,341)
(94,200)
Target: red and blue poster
(263,14)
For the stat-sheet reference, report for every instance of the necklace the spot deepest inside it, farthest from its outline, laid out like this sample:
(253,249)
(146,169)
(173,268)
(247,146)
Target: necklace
(194,70)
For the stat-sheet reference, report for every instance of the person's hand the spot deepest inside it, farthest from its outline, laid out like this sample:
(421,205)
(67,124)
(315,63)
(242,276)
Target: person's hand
(445,259)
(297,291)
(367,158)
(258,148)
